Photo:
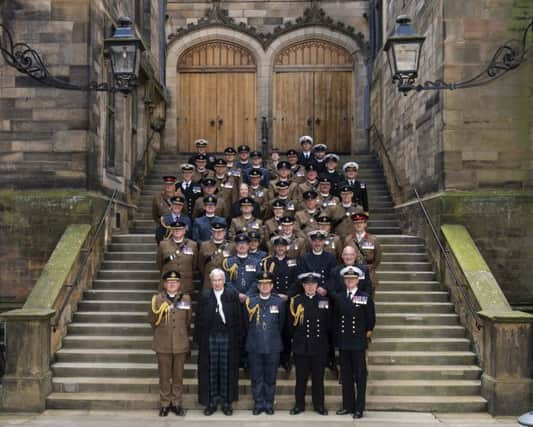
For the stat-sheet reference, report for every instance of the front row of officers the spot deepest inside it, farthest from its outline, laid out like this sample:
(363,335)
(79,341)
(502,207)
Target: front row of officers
(260,326)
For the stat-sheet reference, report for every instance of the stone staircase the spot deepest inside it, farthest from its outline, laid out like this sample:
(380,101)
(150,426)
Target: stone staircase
(419,360)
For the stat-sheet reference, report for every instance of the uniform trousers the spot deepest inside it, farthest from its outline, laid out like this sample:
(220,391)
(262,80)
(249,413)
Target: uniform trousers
(353,370)
(219,369)
(306,365)
(263,370)
(171,367)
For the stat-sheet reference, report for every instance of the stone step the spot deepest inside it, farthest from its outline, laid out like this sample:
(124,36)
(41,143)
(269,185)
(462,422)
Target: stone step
(404,275)
(125,274)
(375,372)
(410,296)
(130,256)
(138,401)
(399,256)
(405,266)
(415,286)
(129,264)
(389,247)
(134,247)
(418,331)
(284,387)
(133,238)
(378,357)
(122,284)
(414,307)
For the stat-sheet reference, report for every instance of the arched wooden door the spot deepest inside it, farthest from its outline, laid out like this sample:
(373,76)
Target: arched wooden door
(216,93)
(313,95)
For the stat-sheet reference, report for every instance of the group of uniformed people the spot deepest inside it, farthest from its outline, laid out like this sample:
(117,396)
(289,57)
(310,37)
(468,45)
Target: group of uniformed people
(287,269)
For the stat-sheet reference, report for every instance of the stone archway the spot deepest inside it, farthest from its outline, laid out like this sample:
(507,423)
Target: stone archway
(356,84)
(264,56)
(180,46)
(217,88)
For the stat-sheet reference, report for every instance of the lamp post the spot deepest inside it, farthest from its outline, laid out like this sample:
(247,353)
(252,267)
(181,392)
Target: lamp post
(404,49)
(124,48)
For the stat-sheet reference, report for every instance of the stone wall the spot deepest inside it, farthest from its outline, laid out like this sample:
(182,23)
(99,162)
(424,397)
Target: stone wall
(51,138)
(487,130)
(411,127)
(31,224)
(464,139)
(501,224)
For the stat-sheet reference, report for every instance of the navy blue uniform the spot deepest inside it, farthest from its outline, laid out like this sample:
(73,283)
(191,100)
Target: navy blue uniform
(201,228)
(241,273)
(336,280)
(310,323)
(321,264)
(191,192)
(264,344)
(284,271)
(167,219)
(354,316)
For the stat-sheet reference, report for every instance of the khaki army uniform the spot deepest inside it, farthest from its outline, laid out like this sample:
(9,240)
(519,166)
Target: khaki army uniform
(302,188)
(171,321)
(329,202)
(342,219)
(259,195)
(182,257)
(298,173)
(272,190)
(161,205)
(306,221)
(272,226)
(290,207)
(227,188)
(222,208)
(242,225)
(368,252)
(211,255)
(199,176)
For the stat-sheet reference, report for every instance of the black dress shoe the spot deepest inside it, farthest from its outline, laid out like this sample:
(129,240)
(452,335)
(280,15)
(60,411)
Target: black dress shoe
(227,410)
(358,414)
(287,366)
(269,411)
(296,410)
(321,411)
(343,412)
(163,412)
(256,411)
(210,410)
(178,410)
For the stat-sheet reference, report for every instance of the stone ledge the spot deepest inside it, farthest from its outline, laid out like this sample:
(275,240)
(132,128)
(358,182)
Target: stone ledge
(481,281)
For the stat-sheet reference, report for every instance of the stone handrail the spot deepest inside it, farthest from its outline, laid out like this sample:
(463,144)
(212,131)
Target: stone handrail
(504,344)
(31,341)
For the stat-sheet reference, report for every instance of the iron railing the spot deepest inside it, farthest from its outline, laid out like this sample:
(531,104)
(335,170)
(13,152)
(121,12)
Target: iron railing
(83,262)
(446,256)
(3,347)
(387,157)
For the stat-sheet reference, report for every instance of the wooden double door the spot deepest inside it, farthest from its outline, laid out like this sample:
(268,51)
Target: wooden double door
(315,103)
(312,85)
(217,97)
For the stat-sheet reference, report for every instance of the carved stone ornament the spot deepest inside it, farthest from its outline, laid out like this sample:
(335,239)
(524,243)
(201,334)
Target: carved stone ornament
(216,16)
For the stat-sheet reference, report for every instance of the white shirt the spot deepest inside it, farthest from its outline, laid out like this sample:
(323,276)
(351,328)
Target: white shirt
(218,294)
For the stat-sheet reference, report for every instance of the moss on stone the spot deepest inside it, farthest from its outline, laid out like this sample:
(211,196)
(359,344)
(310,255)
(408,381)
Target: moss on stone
(476,271)
(58,268)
